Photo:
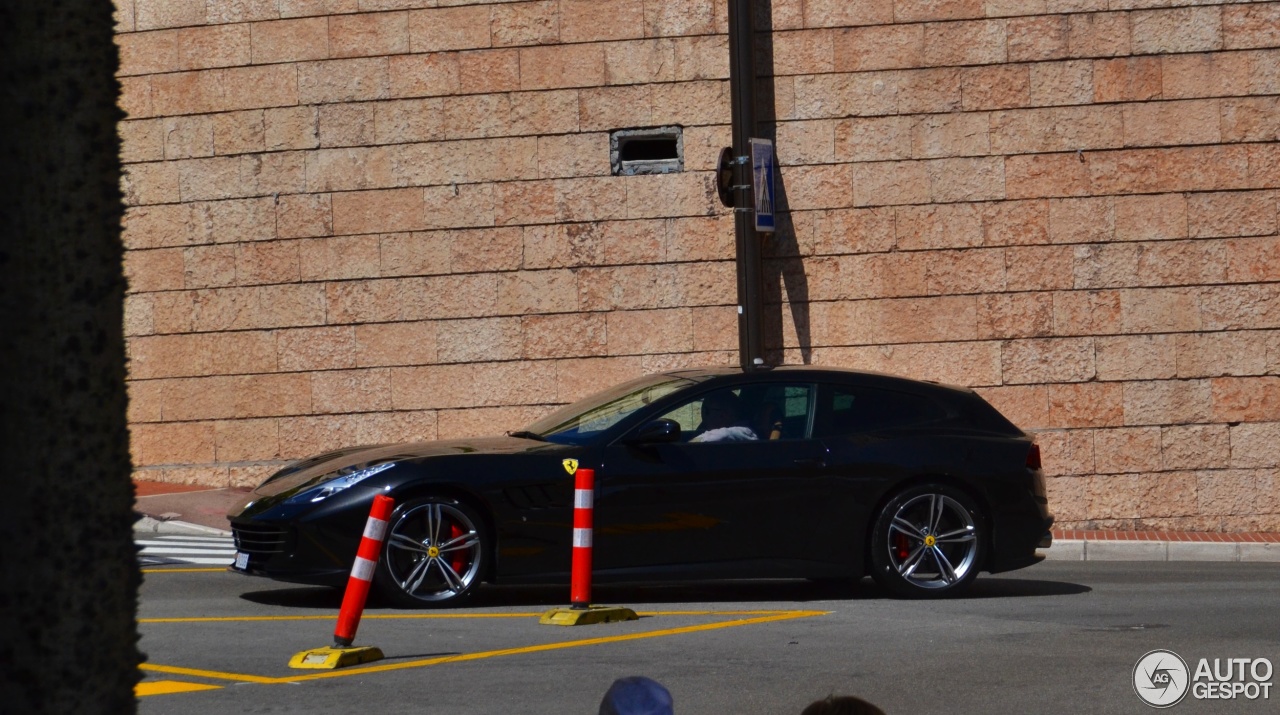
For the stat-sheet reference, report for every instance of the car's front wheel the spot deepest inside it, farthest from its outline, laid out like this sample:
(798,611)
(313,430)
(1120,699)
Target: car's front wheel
(433,554)
(927,542)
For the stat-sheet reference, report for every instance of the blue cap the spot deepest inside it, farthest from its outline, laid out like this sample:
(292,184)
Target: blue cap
(636,695)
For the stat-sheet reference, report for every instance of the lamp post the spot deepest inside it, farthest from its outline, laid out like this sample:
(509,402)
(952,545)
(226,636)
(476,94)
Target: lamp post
(742,78)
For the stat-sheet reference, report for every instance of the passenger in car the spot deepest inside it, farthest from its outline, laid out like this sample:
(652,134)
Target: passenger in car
(768,422)
(722,421)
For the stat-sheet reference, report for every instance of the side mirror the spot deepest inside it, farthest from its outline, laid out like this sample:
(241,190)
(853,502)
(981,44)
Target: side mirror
(656,431)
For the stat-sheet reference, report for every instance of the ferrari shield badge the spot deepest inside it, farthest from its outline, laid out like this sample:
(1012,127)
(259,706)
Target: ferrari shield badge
(570,466)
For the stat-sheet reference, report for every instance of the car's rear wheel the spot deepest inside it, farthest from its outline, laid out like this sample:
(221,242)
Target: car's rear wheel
(434,553)
(927,542)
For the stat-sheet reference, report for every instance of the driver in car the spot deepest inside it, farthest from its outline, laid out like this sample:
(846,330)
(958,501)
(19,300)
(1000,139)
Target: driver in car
(722,421)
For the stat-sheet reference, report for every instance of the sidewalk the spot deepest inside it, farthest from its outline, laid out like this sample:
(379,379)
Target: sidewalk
(185,509)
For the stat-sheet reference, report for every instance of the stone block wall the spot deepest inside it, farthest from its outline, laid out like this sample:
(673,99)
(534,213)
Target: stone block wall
(371,220)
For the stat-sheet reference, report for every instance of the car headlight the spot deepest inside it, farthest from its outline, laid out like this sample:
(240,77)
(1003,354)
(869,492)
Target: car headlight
(337,484)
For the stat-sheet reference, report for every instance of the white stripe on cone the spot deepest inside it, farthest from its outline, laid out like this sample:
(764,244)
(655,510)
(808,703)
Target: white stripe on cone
(582,498)
(363,569)
(581,538)
(375,529)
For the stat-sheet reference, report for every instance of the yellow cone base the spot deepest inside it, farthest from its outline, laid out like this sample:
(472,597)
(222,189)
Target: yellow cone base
(587,616)
(329,658)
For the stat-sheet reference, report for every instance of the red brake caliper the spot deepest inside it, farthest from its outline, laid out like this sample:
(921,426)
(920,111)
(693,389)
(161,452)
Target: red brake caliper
(455,532)
(902,545)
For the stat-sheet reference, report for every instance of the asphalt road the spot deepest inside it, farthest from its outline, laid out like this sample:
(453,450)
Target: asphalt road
(1058,637)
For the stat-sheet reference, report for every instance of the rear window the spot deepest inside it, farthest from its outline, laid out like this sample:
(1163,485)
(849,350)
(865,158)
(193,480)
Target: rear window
(853,410)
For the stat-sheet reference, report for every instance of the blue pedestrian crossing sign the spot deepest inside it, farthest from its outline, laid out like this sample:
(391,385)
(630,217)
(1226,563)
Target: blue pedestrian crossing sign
(762,182)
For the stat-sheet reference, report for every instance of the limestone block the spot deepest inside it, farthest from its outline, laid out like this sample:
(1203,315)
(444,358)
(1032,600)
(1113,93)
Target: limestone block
(923,10)
(369,34)
(1167,402)
(1059,83)
(440,73)
(479,340)
(1255,399)
(474,385)
(1161,310)
(872,138)
(981,42)
(154,14)
(1039,268)
(323,348)
(450,28)
(562,336)
(679,17)
(227,11)
(342,391)
(209,266)
(481,71)
(1217,354)
(173,443)
(213,46)
(526,292)
(1098,34)
(1015,315)
(1136,357)
(379,344)
(995,87)
(560,66)
(1067,453)
(1206,74)
(516,24)
(1193,29)
(246,440)
(267,262)
(649,331)
(1049,360)
(1145,218)
(486,421)
(1046,175)
(345,80)
(1025,131)
(290,40)
(1082,220)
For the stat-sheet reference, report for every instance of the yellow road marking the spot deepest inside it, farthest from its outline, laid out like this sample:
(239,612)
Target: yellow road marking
(418,616)
(200,570)
(215,674)
(168,687)
(784,616)
(759,617)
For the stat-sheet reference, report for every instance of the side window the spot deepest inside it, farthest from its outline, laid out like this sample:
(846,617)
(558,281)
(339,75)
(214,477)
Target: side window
(846,411)
(752,412)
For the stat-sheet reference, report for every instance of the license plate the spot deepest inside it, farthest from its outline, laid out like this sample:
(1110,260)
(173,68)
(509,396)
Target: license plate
(242,560)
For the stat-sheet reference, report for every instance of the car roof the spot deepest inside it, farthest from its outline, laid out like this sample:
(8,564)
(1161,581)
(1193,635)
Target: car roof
(820,374)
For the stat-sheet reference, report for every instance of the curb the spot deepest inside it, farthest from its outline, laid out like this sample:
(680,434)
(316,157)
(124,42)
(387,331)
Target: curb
(1084,550)
(171,527)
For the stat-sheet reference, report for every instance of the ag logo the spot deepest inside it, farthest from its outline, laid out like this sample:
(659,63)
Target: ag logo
(570,466)
(1161,678)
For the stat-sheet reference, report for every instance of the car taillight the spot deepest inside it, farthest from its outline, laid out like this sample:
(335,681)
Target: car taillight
(1033,457)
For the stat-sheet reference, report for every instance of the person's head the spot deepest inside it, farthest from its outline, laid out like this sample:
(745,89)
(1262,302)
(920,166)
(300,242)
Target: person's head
(841,705)
(636,695)
(719,409)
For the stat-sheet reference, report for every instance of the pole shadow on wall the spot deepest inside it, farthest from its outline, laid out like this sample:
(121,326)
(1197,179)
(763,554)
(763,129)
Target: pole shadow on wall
(785,287)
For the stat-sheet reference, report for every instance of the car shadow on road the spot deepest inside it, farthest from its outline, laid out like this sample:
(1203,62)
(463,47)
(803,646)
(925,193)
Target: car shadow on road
(772,592)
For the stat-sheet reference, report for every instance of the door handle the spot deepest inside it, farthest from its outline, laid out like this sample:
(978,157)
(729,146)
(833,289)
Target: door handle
(810,462)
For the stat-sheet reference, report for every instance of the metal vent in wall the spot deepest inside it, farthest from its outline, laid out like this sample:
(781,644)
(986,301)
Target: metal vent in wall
(659,150)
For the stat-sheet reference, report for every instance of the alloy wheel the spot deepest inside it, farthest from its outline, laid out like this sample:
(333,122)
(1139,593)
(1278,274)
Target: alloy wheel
(933,541)
(433,552)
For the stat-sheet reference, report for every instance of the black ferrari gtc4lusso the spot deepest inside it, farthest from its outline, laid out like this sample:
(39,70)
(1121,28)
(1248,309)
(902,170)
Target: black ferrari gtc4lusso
(793,472)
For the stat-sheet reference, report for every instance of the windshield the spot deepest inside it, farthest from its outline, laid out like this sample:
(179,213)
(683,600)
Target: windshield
(585,419)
